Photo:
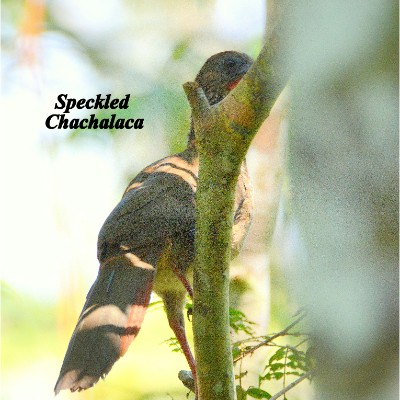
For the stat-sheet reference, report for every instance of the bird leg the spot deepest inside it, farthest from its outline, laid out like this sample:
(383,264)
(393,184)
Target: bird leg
(185,281)
(173,307)
(178,327)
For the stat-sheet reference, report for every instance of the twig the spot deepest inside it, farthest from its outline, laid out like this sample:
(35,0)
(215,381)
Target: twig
(292,385)
(263,338)
(284,369)
(265,342)
(299,344)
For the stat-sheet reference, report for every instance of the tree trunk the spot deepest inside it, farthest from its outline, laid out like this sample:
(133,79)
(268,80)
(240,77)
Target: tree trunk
(223,135)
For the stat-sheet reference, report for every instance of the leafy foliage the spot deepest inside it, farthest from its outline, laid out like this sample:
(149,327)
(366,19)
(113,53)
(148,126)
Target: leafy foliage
(239,322)
(173,343)
(286,361)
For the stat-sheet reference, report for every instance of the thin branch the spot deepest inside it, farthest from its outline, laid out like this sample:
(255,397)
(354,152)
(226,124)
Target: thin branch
(260,339)
(300,343)
(270,339)
(284,369)
(292,385)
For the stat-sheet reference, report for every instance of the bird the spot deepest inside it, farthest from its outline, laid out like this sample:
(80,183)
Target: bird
(147,244)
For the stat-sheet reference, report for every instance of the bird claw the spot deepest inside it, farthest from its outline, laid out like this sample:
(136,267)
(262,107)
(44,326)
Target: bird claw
(186,378)
(189,313)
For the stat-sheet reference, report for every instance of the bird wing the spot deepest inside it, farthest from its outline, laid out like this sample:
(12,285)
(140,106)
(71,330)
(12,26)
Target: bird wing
(159,208)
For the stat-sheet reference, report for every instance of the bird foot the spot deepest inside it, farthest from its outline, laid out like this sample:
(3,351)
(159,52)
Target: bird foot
(186,377)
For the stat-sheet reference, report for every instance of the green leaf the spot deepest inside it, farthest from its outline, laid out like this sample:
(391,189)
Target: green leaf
(276,366)
(258,393)
(265,377)
(279,354)
(278,375)
(239,322)
(294,373)
(292,364)
(174,344)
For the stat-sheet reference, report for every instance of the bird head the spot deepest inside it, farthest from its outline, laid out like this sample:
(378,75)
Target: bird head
(221,73)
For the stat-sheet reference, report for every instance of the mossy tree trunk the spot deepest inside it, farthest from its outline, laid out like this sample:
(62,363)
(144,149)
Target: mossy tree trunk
(223,135)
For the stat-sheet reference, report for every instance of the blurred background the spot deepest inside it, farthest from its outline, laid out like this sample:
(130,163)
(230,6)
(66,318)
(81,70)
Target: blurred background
(331,240)
(60,185)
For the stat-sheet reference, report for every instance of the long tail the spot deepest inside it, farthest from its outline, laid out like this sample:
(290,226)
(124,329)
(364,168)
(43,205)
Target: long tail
(110,320)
